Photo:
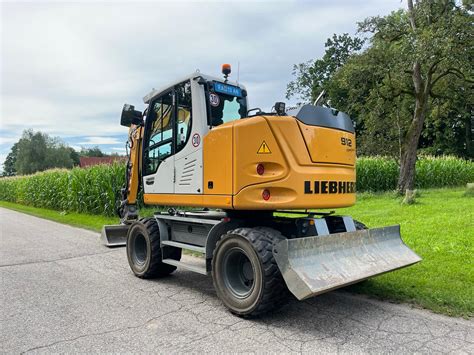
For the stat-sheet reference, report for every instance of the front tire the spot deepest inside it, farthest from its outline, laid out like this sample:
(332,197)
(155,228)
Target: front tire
(245,274)
(144,251)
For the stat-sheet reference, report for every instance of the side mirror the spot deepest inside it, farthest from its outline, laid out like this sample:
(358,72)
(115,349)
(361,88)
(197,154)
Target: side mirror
(130,116)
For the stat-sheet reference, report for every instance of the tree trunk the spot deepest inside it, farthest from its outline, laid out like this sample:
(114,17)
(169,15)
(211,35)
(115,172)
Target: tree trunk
(406,179)
(469,126)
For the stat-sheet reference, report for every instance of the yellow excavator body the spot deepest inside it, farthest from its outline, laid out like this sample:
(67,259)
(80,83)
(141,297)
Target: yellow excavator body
(302,166)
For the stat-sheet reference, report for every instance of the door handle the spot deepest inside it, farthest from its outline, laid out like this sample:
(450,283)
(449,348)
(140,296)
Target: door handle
(150,181)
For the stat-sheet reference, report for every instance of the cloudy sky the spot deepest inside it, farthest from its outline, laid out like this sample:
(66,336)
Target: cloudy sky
(68,67)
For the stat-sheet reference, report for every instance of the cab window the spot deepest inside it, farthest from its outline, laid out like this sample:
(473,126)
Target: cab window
(168,126)
(183,114)
(158,143)
(226,108)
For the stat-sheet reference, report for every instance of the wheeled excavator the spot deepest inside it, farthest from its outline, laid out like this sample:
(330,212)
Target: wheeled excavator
(248,190)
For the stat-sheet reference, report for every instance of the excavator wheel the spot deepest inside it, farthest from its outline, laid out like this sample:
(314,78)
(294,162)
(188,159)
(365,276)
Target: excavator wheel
(245,274)
(144,252)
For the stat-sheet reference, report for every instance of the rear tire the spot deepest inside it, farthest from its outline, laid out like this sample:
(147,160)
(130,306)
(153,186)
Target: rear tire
(245,274)
(144,251)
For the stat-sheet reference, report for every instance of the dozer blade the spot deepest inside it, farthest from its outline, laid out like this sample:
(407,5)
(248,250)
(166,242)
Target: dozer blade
(114,235)
(314,265)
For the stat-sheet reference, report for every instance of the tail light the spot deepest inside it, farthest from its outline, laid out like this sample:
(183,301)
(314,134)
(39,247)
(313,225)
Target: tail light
(266,195)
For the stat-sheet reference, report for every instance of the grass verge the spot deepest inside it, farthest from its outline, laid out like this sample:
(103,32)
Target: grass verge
(87,221)
(439,227)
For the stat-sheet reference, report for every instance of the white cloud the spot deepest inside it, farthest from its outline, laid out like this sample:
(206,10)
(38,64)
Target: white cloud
(77,148)
(100,141)
(8,140)
(2,159)
(67,68)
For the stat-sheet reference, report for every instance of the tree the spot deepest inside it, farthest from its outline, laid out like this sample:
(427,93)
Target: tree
(9,164)
(313,76)
(74,156)
(411,86)
(92,152)
(38,152)
(429,43)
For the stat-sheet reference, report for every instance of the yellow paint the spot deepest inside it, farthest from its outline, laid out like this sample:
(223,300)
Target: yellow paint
(248,136)
(217,160)
(135,153)
(195,200)
(299,153)
(264,149)
(325,145)
(287,168)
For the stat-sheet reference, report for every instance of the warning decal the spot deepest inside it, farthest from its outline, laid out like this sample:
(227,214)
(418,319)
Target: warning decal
(264,149)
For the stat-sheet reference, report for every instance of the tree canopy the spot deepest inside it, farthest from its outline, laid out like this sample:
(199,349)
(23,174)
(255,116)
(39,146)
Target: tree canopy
(37,151)
(408,87)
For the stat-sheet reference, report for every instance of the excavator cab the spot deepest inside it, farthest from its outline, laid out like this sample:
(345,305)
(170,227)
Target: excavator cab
(255,186)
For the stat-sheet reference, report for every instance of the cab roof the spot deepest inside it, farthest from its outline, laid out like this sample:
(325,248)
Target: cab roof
(155,92)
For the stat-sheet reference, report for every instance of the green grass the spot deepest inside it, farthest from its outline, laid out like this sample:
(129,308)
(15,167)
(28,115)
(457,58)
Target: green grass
(87,221)
(439,227)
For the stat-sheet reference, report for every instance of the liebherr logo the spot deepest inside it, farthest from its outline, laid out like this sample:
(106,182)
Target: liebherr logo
(329,187)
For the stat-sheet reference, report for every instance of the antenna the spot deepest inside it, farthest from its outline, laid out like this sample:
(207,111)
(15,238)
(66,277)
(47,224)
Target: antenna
(320,98)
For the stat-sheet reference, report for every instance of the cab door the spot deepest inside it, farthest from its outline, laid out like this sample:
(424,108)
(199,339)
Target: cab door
(191,125)
(158,145)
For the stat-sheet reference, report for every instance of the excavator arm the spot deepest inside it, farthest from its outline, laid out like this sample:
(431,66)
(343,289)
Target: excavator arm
(127,209)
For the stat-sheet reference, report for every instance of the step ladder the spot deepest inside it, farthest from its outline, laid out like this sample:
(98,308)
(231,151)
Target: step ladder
(201,269)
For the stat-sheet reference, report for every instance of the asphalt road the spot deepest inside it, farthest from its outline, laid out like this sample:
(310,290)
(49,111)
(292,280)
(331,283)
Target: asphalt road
(64,292)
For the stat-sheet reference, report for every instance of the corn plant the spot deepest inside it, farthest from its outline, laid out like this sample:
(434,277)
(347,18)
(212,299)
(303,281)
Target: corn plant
(91,190)
(94,190)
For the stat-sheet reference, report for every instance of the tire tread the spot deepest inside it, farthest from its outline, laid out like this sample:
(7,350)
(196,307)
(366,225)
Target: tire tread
(156,268)
(275,291)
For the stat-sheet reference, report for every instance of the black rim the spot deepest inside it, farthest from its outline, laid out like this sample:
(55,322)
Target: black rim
(139,249)
(238,272)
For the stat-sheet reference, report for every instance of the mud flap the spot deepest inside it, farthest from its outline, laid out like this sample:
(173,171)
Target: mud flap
(314,265)
(114,235)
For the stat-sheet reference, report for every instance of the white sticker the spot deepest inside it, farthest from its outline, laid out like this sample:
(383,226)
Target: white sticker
(196,139)
(214,99)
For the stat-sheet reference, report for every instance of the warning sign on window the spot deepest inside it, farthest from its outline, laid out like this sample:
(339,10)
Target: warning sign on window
(264,149)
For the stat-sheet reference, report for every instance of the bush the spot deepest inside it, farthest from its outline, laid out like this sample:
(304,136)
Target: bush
(94,190)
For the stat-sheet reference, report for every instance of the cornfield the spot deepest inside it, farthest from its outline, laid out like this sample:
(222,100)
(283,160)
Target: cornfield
(94,190)
(381,173)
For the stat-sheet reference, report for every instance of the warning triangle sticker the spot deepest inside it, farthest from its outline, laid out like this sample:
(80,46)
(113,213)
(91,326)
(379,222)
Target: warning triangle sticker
(264,149)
